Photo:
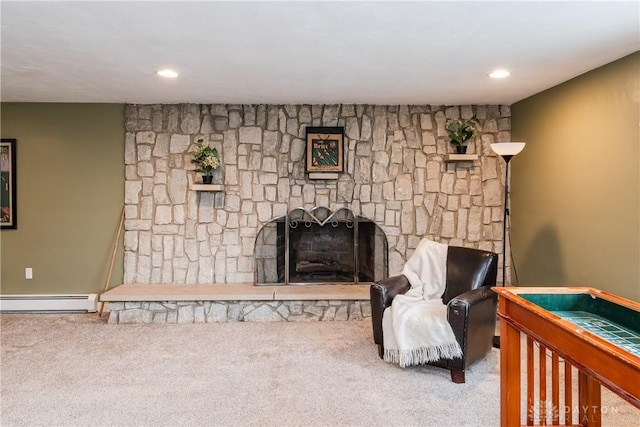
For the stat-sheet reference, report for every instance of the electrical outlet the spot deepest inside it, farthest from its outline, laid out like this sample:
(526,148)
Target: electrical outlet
(28,273)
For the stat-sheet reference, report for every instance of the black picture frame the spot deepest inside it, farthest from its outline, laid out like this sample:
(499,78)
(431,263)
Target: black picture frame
(325,149)
(8,205)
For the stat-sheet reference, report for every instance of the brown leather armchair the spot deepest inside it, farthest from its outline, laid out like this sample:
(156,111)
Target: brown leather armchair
(471,305)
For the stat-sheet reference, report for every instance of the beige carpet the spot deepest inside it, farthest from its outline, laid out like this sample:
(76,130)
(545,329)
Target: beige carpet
(75,370)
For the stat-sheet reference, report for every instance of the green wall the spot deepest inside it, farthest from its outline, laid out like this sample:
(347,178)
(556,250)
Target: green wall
(70,167)
(576,186)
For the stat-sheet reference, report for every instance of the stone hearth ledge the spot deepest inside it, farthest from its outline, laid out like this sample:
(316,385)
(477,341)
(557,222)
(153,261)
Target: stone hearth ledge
(172,303)
(234,292)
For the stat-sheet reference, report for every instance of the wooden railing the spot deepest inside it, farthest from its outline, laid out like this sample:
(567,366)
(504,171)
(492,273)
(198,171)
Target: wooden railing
(551,382)
(565,365)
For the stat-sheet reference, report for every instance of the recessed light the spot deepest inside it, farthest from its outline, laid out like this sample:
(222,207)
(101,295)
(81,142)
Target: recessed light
(167,73)
(499,74)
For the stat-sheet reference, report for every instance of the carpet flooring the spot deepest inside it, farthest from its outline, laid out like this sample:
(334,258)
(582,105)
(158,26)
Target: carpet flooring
(75,370)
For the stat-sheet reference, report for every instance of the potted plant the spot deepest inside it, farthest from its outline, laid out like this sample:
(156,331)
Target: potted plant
(207,160)
(461,131)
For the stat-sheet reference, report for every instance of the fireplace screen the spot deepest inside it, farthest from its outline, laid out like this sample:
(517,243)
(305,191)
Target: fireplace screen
(320,247)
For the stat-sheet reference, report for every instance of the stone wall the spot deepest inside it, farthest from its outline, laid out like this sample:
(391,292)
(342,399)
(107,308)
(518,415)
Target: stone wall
(237,311)
(396,175)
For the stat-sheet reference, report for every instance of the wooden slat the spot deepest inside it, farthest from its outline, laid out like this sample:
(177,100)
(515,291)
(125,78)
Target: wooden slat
(542,384)
(509,375)
(588,400)
(530,381)
(568,393)
(555,388)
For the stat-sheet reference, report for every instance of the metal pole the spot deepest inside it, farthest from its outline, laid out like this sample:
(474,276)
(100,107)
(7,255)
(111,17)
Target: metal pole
(287,250)
(496,338)
(356,250)
(504,220)
(507,158)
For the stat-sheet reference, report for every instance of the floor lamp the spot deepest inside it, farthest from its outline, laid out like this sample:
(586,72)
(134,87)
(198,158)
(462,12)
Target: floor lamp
(506,150)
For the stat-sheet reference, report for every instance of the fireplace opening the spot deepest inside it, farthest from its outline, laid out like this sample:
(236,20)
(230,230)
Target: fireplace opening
(320,247)
(321,255)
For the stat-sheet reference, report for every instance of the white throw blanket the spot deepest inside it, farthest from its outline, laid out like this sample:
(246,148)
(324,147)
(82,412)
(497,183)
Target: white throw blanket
(415,327)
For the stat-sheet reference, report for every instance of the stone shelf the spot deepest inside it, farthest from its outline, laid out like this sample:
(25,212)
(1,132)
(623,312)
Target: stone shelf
(242,302)
(461,157)
(207,187)
(234,292)
(324,175)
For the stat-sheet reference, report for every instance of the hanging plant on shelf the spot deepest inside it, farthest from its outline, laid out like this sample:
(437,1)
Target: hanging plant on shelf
(461,131)
(206,158)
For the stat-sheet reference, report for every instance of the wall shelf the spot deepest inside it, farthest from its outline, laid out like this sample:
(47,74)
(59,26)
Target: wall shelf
(333,176)
(461,157)
(207,187)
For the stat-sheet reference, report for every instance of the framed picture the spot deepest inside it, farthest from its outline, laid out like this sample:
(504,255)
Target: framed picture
(325,149)
(8,183)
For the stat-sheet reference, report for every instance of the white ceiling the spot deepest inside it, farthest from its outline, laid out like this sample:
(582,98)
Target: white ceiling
(372,52)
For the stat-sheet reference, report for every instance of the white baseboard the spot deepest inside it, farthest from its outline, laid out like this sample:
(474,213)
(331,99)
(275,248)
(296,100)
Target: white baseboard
(49,303)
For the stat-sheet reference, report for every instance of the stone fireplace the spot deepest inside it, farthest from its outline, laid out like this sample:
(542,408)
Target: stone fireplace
(319,246)
(399,185)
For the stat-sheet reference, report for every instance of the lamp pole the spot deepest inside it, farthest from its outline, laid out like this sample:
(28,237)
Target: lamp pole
(506,150)
(506,158)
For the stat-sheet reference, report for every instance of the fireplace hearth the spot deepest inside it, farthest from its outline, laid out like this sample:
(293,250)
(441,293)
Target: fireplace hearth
(320,247)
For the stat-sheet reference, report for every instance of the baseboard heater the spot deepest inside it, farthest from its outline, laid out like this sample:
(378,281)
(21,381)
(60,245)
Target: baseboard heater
(49,303)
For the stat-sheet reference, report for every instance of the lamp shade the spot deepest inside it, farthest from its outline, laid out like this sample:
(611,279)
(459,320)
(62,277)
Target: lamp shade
(507,148)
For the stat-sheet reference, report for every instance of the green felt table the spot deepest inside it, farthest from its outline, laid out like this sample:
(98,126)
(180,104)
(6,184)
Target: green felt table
(612,322)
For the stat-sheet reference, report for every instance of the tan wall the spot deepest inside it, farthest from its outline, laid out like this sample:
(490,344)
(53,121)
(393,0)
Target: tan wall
(576,186)
(70,195)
